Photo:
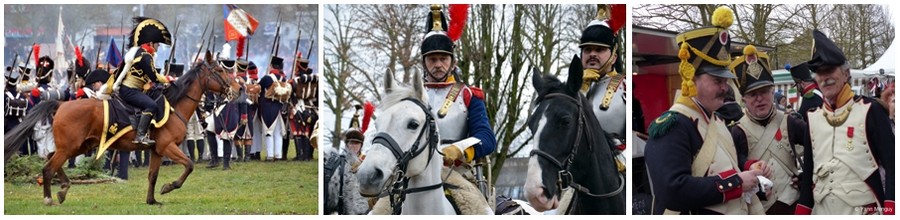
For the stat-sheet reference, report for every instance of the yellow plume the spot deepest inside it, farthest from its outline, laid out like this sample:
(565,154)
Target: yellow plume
(749,50)
(723,17)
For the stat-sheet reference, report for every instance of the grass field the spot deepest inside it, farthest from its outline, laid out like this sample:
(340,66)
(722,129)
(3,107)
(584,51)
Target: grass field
(258,188)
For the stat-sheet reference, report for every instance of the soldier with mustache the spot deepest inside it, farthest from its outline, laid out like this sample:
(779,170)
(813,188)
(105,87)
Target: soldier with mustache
(691,158)
(851,137)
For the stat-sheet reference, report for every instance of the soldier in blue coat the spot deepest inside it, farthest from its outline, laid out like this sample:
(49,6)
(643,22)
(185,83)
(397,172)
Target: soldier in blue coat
(690,156)
(270,109)
(805,84)
(14,104)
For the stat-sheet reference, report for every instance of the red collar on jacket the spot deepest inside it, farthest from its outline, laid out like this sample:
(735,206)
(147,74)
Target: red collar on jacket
(148,47)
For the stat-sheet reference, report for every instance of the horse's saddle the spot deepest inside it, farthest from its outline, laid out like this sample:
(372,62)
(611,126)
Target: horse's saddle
(118,116)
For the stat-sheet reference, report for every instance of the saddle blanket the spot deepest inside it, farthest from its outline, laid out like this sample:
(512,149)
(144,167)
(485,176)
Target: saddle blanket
(117,116)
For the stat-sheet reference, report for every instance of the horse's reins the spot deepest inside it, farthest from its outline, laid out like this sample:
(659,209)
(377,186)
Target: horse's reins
(217,78)
(400,183)
(564,176)
(330,169)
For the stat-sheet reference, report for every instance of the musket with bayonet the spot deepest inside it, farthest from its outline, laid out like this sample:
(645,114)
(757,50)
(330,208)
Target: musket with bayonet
(15,67)
(202,41)
(312,40)
(274,51)
(296,49)
(97,58)
(99,47)
(27,61)
(212,40)
(172,49)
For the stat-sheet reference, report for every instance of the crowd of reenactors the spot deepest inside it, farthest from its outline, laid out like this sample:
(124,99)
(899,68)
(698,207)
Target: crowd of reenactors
(835,155)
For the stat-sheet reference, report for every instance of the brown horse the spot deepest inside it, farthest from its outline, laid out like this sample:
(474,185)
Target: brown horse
(78,126)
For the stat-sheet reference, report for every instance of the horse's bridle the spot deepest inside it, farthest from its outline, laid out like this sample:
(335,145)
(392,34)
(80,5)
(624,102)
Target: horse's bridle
(400,182)
(229,94)
(332,166)
(564,176)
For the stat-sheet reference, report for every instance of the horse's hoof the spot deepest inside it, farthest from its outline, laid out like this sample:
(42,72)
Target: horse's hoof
(166,188)
(153,202)
(48,201)
(62,196)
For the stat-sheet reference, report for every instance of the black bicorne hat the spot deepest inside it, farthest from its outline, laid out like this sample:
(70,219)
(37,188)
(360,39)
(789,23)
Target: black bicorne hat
(825,53)
(148,30)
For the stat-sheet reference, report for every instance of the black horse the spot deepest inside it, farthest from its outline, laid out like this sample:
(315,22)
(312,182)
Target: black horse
(571,151)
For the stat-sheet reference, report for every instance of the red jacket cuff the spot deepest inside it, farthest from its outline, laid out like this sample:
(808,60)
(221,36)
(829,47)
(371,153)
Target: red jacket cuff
(802,210)
(749,163)
(733,193)
(727,174)
(729,184)
(889,207)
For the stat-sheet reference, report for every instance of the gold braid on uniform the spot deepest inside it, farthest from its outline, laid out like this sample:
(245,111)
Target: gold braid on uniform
(686,70)
(590,75)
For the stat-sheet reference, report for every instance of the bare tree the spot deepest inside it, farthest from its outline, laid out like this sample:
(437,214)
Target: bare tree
(395,31)
(340,38)
(863,31)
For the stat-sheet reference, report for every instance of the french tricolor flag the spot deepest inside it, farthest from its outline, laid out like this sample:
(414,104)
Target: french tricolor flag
(238,23)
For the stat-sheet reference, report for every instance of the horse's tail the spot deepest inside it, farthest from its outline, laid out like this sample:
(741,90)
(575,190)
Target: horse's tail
(18,135)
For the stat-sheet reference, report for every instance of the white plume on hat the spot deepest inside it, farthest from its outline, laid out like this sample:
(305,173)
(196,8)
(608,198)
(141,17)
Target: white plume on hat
(226,52)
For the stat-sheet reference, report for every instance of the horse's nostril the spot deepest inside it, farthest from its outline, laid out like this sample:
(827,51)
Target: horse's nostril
(378,174)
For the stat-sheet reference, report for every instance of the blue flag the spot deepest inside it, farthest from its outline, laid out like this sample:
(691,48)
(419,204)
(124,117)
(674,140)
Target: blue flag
(113,56)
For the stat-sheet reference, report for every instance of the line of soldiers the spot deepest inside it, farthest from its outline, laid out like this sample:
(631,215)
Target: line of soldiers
(835,157)
(273,111)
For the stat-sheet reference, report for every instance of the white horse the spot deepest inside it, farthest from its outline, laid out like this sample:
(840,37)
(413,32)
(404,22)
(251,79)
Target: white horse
(403,161)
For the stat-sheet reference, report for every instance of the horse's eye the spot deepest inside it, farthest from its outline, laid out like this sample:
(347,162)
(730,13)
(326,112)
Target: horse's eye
(566,120)
(412,125)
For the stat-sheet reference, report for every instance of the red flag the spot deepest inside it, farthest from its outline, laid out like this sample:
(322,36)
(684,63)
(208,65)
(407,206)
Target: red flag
(238,23)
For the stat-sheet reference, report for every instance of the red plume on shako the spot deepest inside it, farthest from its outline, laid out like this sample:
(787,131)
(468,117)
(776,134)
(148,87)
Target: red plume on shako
(439,36)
